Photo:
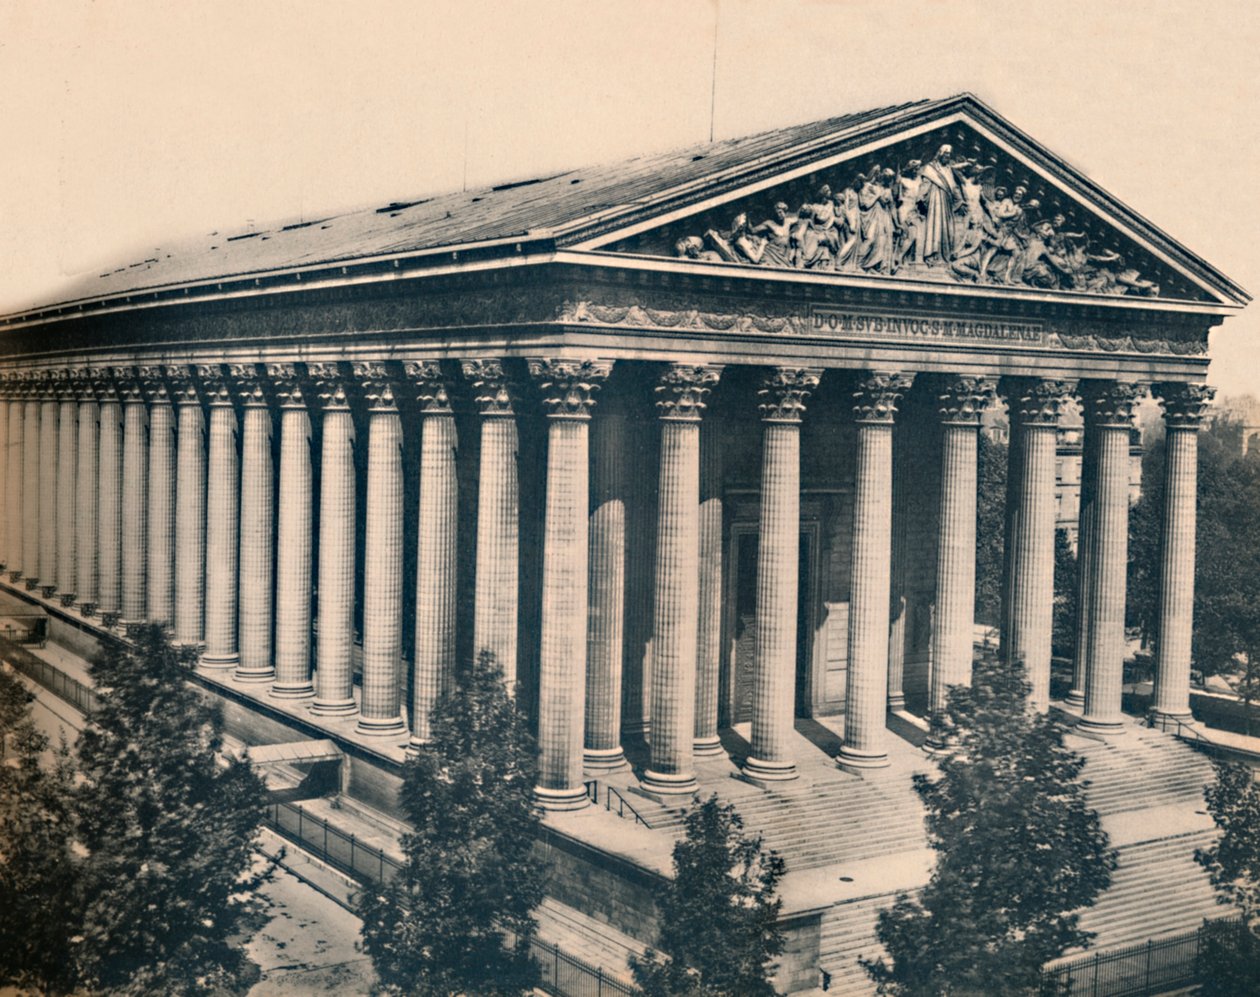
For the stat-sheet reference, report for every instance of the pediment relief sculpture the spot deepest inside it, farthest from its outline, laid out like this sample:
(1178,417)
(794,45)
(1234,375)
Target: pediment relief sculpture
(962,211)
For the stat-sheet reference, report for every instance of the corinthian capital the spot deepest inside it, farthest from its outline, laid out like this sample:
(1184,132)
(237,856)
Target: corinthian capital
(432,390)
(961,400)
(877,394)
(63,384)
(251,384)
(286,378)
(783,391)
(682,389)
(377,381)
(493,389)
(1111,403)
(568,386)
(183,387)
(106,388)
(332,382)
(128,381)
(1035,401)
(214,381)
(154,384)
(1184,404)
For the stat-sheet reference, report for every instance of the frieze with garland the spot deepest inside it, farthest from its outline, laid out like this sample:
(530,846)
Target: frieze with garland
(949,206)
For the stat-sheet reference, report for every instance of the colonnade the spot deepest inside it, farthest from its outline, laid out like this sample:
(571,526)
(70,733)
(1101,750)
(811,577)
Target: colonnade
(145,492)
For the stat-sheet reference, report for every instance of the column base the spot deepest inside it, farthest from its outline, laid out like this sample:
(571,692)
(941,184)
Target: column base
(760,772)
(15,576)
(561,800)
(301,691)
(857,762)
(1173,718)
(707,747)
(417,745)
(67,599)
(668,787)
(603,760)
(1075,697)
(31,583)
(334,707)
(253,674)
(1105,728)
(47,591)
(381,726)
(87,609)
(216,662)
(896,701)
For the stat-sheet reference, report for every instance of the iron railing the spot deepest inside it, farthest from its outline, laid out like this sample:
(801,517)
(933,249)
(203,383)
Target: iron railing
(569,976)
(622,808)
(1186,732)
(1152,967)
(74,692)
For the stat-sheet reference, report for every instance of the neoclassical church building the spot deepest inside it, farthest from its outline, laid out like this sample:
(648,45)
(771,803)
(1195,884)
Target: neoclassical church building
(688,443)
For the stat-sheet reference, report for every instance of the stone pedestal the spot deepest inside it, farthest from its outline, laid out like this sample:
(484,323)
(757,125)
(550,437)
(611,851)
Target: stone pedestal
(782,403)
(875,406)
(568,388)
(257,523)
(222,524)
(190,508)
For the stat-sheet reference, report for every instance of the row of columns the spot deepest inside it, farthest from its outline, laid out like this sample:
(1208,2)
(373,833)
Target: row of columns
(121,497)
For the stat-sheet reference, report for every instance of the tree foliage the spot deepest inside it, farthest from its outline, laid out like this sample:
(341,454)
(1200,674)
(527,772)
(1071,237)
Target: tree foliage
(719,915)
(990,528)
(170,829)
(1230,959)
(1066,584)
(458,916)
(1018,850)
(37,871)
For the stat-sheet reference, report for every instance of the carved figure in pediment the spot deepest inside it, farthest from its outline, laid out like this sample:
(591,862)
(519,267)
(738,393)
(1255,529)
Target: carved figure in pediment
(908,189)
(974,223)
(1009,227)
(692,248)
(815,235)
(940,199)
(848,225)
(1040,264)
(777,235)
(875,206)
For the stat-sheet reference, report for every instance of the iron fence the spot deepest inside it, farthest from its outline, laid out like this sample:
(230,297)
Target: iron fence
(74,692)
(1152,967)
(569,976)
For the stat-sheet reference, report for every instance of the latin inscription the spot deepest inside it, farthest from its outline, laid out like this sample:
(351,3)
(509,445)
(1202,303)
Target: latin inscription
(834,320)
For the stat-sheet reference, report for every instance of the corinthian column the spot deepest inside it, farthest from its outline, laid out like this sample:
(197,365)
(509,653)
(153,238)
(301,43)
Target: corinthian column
(568,388)
(136,475)
(222,522)
(190,508)
(782,401)
(334,675)
(709,634)
(605,616)
(109,497)
(49,437)
(6,559)
(1183,413)
(875,407)
(1084,566)
(257,514)
(294,546)
(680,400)
(642,450)
(380,708)
(1029,614)
(15,478)
(160,584)
(436,551)
(496,597)
(87,484)
(67,461)
(1109,409)
(960,401)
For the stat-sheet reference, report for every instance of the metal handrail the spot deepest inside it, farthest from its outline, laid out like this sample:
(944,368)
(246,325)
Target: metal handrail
(623,805)
(1184,732)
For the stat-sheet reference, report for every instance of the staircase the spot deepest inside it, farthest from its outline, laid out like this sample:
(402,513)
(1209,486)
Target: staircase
(848,934)
(1145,768)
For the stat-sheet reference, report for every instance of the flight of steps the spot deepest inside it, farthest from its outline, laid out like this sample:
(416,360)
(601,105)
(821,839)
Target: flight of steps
(848,934)
(1144,768)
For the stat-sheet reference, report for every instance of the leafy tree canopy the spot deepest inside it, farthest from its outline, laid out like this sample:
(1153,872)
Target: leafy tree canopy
(719,915)
(990,528)
(457,918)
(1018,850)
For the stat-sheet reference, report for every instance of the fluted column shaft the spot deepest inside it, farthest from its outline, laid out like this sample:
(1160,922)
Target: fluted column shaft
(605,627)
(294,546)
(1036,407)
(87,475)
(135,508)
(568,388)
(30,492)
(109,503)
(1109,414)
(1183,413)
(496,598)
(1084,566)
(334,646)
(14,481)
(642,450)
(49,437)
(782,401)
(6,559)
(680,402)
(160,583)
(257,537)
(960,404)
(222,527)
(709,624)
(875,406)
(436,564)
(380,709)
(190,512)
(67,461)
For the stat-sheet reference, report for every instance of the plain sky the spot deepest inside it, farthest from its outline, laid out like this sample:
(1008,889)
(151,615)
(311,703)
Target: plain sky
(133,124)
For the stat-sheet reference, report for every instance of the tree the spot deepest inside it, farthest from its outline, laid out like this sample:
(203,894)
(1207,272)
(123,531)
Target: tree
(719,915)
(37,868)
(458,916)
(1018,850)
(170,828)
(990,529)
(1229,960)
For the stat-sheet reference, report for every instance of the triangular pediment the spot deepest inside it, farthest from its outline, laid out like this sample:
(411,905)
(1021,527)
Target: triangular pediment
(957,196)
